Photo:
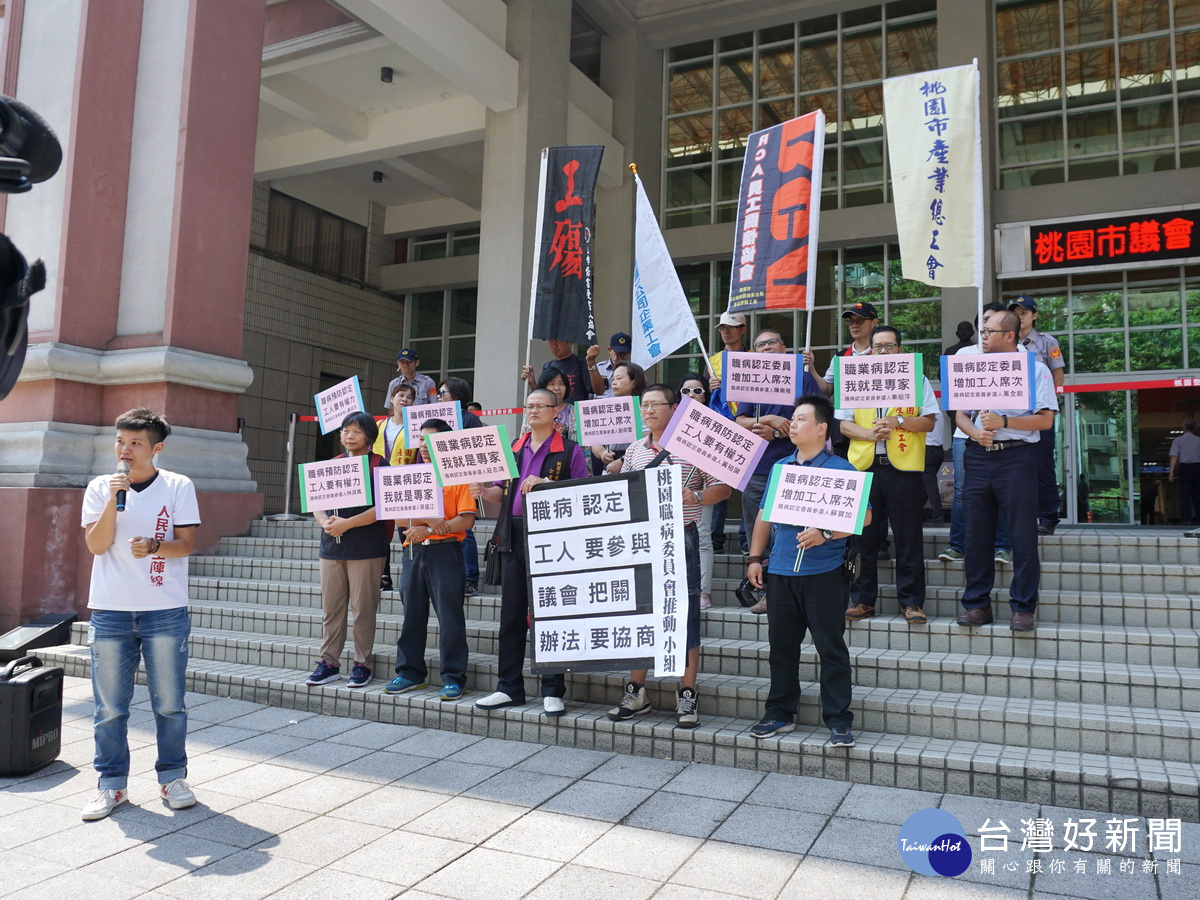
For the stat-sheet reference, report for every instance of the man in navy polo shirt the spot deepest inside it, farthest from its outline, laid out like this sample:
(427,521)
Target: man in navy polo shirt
(770,421)
(811,599)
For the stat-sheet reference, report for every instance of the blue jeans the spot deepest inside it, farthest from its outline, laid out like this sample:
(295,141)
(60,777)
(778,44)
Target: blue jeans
(118,639)
(470,557)
(958,522)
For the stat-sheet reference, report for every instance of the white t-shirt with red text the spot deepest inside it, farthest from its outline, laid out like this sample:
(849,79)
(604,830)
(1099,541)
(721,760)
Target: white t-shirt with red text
(121,582)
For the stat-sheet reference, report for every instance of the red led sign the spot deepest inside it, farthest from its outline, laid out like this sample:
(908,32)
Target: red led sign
(1118,240)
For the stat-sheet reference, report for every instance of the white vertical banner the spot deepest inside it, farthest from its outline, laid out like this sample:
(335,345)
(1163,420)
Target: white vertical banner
(934,151)
(663,320)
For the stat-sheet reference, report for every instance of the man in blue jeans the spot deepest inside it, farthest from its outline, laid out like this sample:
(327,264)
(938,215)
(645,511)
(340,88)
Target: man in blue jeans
(140,524)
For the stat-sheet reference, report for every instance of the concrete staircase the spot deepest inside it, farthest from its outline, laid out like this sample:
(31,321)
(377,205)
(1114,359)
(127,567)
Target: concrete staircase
(1099,708)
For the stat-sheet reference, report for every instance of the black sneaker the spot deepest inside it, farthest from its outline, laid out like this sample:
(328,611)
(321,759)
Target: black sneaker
(470,588)
(841,737)
(686,714)
(360,676)
(633,703)
(323,674)
(385,582)
(769,727)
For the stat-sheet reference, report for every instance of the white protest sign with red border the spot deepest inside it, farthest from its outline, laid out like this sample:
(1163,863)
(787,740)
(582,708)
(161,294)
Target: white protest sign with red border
(408,492)
(335,483)
(988,381)
(712,443)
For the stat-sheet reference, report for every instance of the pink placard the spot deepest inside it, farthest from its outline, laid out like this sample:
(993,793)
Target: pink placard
(416,416)
(608,420)
(408,492)
(712,443)
(335,483)
(988,381)
(760,377)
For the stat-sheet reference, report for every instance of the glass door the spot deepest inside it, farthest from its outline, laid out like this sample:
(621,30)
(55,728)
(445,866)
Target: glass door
(1098,426)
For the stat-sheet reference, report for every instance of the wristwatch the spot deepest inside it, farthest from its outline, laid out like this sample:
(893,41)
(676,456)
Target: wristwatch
(899,421)
(827,534)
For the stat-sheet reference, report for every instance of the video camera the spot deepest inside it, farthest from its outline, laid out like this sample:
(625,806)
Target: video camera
(29,154)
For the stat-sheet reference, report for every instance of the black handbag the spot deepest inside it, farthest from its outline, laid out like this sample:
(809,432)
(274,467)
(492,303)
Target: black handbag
(491,562)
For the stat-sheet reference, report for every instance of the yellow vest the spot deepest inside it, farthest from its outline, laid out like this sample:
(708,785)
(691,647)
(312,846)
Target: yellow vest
(905,449)
(400,455)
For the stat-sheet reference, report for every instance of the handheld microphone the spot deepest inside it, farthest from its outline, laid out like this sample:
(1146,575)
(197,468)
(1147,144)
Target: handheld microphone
(122,469)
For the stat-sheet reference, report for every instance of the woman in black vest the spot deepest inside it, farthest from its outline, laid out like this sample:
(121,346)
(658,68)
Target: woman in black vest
(541,454)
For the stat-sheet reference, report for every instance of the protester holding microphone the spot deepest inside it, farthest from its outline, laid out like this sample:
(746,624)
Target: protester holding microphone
(138,598)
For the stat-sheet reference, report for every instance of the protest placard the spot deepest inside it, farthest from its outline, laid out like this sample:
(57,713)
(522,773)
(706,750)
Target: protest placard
(988,381)
(608,420)
(473,454)
(712,443)
(809,497)
(414,416)
(408,492)
(607,577)
(334,404)
(877,382)
(760,377)
(335,483)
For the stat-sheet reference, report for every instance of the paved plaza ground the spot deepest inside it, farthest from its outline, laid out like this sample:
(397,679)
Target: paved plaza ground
(294,804)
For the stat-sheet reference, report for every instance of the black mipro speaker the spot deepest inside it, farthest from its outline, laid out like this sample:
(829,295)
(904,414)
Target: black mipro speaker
(30,716)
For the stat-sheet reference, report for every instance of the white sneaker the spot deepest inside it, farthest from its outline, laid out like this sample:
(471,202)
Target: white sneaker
(178,795)
(498,700)
(553,706)
(104,803)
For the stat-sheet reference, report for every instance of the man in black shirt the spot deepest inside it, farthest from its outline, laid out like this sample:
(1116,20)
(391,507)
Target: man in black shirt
(581,374)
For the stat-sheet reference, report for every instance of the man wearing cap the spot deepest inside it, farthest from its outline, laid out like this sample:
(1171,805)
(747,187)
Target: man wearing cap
(407,362)
(620,345)
(1049,355)
(890,443)
(860,319)
(732,329)
(999,459)
(579,372)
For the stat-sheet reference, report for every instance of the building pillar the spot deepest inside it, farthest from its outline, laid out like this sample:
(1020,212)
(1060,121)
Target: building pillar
(538,38)
(145,231)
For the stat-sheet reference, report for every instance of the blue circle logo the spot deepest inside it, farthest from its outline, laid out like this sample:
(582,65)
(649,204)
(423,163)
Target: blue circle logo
(933,842)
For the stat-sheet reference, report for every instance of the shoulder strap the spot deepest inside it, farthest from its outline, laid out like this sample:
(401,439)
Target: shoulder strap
(658,459)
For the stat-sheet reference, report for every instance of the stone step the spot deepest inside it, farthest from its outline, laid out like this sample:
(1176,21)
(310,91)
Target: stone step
(1134,785)
(290,637)
(1129,610)
(1079,543)
(1103,578)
